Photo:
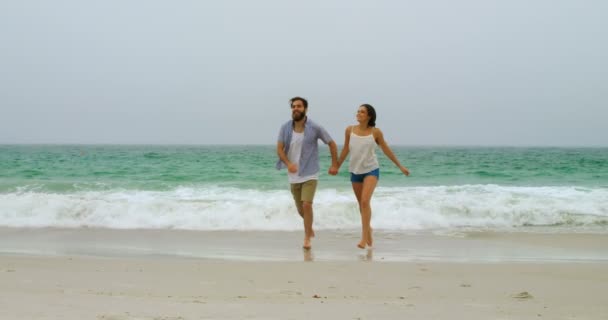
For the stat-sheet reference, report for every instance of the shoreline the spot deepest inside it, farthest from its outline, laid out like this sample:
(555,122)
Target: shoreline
(285,246)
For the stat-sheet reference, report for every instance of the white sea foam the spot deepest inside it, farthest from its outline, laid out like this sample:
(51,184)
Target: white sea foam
(218,208)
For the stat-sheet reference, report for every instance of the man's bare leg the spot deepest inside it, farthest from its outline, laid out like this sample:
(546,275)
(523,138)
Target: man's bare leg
(308,217)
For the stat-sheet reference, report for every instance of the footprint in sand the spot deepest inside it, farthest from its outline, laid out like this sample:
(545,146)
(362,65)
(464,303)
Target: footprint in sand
(522,295)
(131,317)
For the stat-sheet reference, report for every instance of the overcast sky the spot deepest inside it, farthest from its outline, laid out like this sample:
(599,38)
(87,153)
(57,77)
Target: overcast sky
(439,72)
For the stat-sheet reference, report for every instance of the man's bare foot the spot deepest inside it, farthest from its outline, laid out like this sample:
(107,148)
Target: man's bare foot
(306,245)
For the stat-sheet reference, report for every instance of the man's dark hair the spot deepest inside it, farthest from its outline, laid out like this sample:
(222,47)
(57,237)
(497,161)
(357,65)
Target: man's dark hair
(299,98)
(371,112)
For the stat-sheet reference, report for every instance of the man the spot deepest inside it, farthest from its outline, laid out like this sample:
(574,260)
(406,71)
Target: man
(298,151)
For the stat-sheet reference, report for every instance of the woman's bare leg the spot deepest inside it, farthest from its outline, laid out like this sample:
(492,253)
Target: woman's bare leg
(369,185)
(358,189)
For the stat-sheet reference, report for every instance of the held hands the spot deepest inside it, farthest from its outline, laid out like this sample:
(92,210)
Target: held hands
(404,170)
(333,170)
(293,168)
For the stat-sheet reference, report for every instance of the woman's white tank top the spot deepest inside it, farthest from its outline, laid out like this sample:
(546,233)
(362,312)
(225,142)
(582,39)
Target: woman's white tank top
(362,153)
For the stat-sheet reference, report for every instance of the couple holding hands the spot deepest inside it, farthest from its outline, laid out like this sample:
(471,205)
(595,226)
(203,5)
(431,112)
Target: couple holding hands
(297,148)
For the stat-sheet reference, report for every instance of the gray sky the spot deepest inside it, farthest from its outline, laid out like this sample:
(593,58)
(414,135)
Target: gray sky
(439,72)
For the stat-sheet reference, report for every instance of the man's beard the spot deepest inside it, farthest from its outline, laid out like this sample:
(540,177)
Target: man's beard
(297,116)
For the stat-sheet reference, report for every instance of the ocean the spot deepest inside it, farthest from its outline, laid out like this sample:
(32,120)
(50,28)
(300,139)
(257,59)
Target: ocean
(237,188)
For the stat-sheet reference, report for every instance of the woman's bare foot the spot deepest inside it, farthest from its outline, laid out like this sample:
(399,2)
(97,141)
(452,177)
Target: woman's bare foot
(361,245)
(369,238)
(306,245)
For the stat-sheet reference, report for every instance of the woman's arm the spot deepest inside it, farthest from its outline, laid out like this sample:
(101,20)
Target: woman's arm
(379,136)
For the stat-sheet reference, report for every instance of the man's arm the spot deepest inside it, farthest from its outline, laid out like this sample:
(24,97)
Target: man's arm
(333,149)
(291,167)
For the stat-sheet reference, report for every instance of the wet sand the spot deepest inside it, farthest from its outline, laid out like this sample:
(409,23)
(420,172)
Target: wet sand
(327,246)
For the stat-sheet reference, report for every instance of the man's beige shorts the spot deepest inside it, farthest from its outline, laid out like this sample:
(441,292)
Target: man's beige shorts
(304,192)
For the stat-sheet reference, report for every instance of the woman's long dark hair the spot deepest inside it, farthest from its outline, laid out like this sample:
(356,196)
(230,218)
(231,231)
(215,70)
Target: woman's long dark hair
(372,114)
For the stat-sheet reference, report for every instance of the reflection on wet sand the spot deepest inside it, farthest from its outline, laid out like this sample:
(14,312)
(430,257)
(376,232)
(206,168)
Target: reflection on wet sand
(368,256)
(308,256)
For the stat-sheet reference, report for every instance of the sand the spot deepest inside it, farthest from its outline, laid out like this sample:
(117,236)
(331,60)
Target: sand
(37,287)
(119,275)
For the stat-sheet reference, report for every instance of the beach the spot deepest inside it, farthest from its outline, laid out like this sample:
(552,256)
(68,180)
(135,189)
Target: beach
(194,232)
(131,276)
(148,150)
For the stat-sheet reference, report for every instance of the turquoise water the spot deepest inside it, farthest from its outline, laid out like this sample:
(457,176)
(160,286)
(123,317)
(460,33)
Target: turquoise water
(71,168)
(238,188)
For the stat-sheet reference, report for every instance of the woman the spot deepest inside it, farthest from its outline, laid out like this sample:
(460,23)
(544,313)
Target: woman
(360,140)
